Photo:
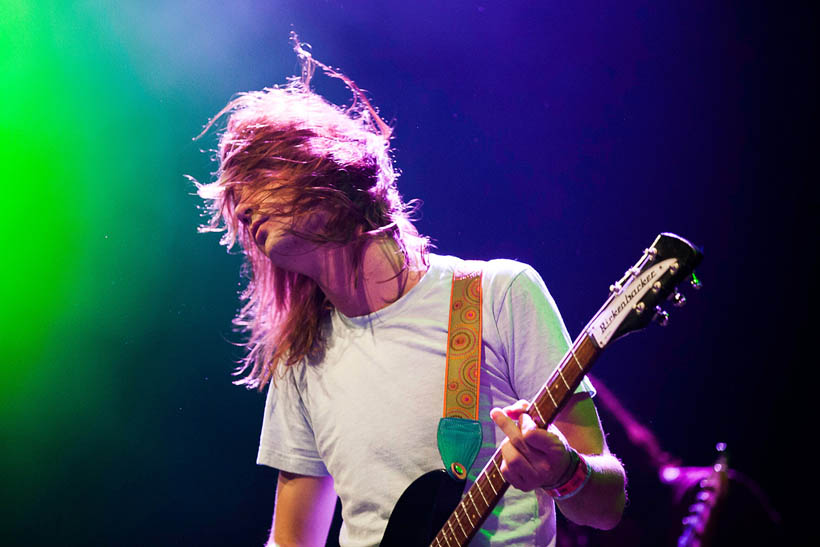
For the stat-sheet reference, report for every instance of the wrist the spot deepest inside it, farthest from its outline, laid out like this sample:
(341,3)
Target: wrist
(574,460)
(574,479)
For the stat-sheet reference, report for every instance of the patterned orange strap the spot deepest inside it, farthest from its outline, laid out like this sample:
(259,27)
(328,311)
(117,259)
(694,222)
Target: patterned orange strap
(463,375)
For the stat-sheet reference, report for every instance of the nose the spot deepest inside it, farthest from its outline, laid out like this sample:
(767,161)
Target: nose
(244,213)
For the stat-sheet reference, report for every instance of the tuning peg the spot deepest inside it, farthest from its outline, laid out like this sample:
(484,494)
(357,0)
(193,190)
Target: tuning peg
(677,299)
(695,282)
(661,316)
(704,496)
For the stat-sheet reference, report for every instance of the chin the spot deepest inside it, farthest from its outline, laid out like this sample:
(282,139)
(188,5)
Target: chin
(292,254)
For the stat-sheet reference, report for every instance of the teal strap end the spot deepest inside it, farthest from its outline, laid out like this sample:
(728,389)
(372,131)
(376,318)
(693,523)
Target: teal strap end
(458,443)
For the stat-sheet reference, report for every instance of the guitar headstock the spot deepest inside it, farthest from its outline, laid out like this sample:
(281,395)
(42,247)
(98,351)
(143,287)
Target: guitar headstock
(636,299)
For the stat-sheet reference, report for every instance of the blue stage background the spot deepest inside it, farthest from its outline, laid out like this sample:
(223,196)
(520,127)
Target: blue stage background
(565,135)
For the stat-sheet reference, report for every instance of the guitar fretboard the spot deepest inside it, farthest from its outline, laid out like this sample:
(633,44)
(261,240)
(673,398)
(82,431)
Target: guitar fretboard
(489,486)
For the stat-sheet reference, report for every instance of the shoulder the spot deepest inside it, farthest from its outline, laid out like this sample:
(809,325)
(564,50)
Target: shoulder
(514,286)
(290,381)
(502,278)
(504,271)
(499,271)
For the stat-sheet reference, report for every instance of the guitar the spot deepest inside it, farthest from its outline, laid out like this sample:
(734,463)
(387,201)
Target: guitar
(420,517)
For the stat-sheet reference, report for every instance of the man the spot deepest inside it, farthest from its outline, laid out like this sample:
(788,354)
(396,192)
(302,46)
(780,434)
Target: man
(346,312)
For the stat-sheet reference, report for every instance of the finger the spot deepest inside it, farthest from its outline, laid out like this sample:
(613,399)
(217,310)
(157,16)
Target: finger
(520,403)
(510,429)
(544,441)
(553,432)
(533,436)
(548,454)
(505,424)
(516,469)
(526,423)
(516,409)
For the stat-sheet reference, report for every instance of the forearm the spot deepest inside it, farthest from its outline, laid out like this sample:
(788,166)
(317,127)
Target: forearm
(600,503)
(534,457)
(303,510)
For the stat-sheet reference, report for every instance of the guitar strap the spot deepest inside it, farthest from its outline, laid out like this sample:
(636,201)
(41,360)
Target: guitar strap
(459,431)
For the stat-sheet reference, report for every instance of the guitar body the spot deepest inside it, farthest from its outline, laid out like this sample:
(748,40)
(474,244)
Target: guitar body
(422,510)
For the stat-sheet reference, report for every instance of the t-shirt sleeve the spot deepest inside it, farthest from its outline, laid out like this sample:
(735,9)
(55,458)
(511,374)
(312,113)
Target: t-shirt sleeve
(287,441)
(533,333)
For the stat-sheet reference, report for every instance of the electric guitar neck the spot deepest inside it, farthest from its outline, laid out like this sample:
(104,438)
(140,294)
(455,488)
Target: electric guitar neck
(633,302)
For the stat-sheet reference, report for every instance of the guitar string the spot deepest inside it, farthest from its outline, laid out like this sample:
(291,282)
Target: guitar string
(572,352)
(475,507)
(454,516)
(488,473)
(444,535)
(455,533)
(496,466)
(462,505)
(482,494)
(561,374)
(447,537)
(489,480)
(441,534)
(458,520)
(465,515)
(535,406)
(547,387)
(563,365)
(451,531)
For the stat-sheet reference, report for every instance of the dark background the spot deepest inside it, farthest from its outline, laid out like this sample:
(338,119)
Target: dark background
(564,135)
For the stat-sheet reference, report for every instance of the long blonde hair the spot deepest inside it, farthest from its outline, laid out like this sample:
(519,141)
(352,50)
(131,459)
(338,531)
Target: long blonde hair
(319,156)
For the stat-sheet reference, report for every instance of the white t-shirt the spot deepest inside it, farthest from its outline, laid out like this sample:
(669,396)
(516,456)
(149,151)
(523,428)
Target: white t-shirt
(367,413)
